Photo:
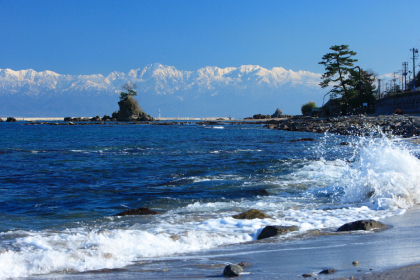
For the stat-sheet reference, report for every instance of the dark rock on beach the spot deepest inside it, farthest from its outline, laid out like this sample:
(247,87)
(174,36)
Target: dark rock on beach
(251,214)
(1,120)
(10,119)
(137,211)
(328,271)
(307,275)
(232,270)
(361,225)
(244,264)
(270,231)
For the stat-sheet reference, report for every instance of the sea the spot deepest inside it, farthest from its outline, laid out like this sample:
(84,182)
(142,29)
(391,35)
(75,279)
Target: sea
(61,187)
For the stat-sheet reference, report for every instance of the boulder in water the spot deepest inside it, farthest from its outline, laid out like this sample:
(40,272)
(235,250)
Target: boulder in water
(328,271)
(10,119)
(251,214)
(232,270)
(361,225)
(261,192)
(270,231)
(137,211)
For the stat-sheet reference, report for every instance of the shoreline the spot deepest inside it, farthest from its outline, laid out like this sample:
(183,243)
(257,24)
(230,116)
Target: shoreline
(393,253)
(358,125)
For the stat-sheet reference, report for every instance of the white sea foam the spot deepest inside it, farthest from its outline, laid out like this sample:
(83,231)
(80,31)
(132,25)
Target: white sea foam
(82,249)
(197,179)
(384,175)
(234,151)
(379,173)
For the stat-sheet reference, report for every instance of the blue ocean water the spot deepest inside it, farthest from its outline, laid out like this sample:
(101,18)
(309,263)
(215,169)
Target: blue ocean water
(61,186)
(52,175)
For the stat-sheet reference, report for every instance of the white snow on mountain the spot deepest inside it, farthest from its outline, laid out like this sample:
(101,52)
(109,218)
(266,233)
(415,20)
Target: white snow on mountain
(176,91)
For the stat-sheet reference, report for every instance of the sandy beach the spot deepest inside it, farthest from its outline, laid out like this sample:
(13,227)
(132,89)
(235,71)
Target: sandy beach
(385,251)
(393,253)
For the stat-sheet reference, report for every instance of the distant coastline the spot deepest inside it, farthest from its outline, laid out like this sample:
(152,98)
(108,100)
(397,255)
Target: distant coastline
(157,119)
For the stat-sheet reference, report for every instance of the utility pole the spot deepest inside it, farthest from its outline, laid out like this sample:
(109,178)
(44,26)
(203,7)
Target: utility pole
(415,51)
(379,88)
(405,65)
(394,79)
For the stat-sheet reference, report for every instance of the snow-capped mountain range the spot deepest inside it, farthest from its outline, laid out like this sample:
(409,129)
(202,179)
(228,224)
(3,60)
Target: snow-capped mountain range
(207,92)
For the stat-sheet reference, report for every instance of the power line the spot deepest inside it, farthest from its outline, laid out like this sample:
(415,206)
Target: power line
(408,56)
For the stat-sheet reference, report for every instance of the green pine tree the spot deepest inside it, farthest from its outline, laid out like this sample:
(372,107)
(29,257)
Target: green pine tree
(130,91)
(338,65)
(361,89)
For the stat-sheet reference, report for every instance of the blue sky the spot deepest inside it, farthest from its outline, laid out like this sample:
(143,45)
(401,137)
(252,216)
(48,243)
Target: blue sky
(90,37)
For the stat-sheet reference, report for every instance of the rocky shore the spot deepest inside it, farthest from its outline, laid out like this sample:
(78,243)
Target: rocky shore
(360,125)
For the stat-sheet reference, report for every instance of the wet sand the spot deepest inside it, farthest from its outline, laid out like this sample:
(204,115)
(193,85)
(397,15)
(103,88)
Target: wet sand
(406,273)
(393,248)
